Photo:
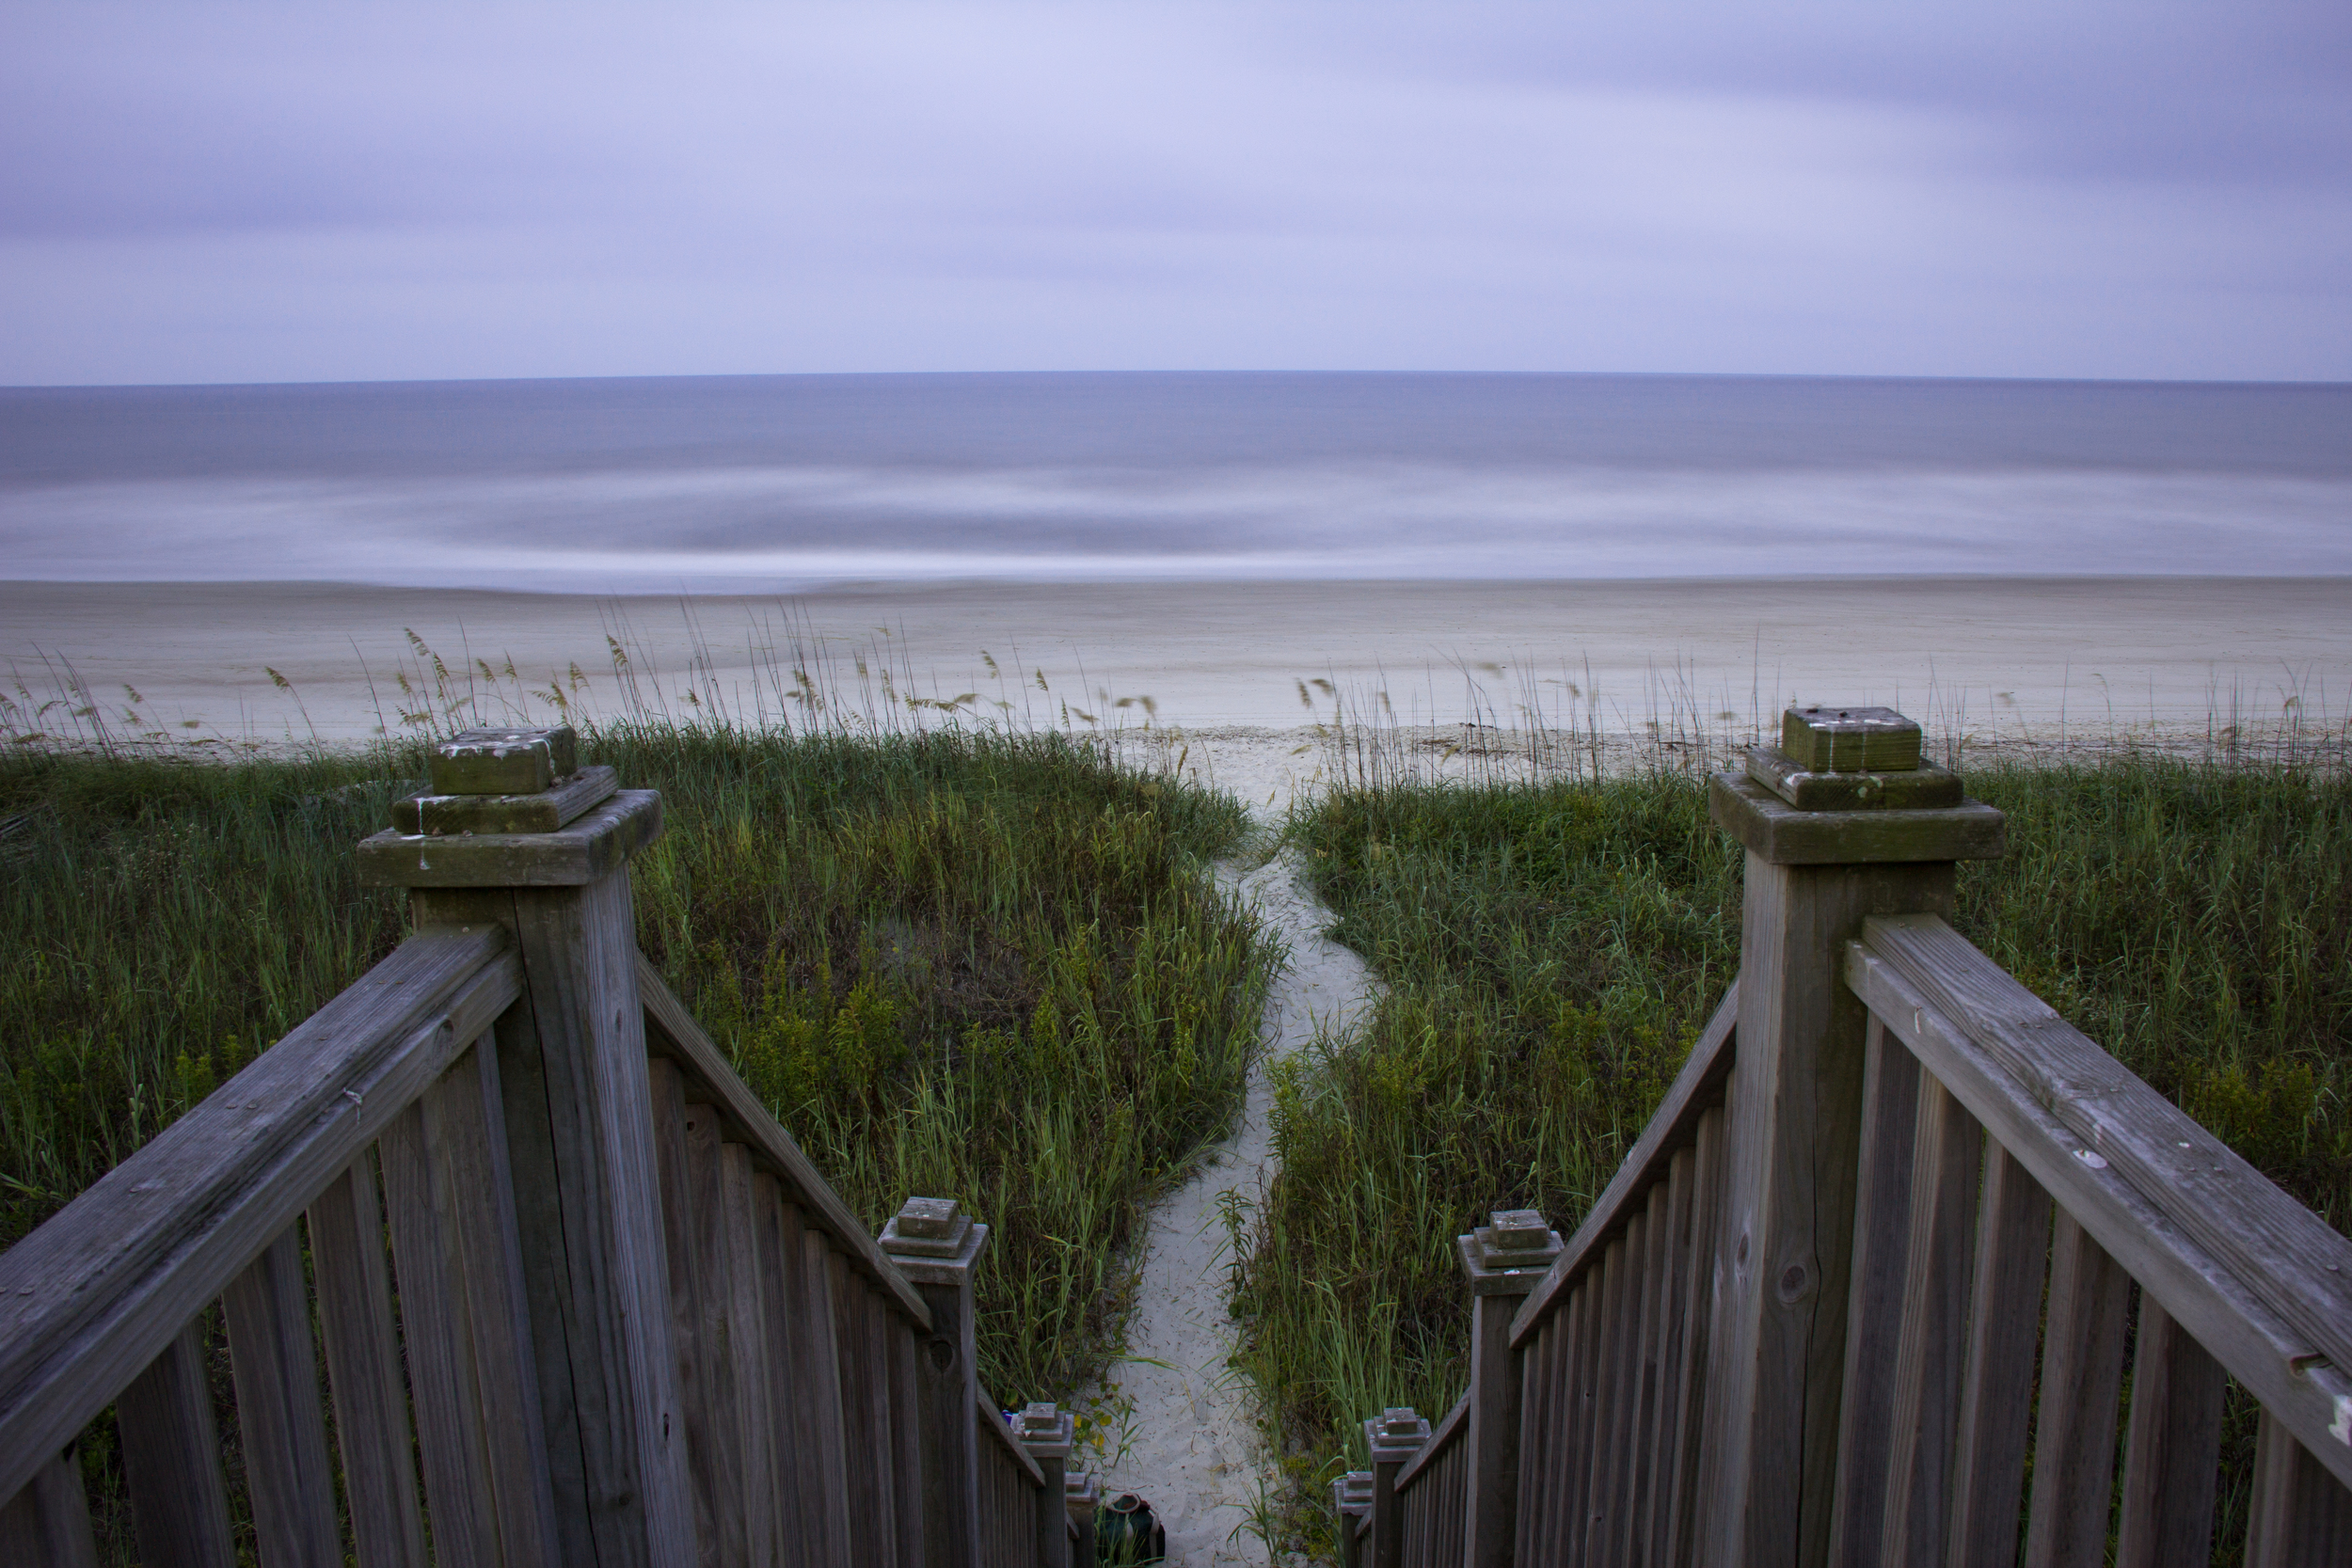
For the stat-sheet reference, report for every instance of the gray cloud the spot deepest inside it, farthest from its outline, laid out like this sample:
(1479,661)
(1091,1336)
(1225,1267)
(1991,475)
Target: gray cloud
(277,191)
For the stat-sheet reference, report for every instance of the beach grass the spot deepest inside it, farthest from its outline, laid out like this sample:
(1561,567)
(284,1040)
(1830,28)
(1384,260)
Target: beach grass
(980,965)
(1551,950)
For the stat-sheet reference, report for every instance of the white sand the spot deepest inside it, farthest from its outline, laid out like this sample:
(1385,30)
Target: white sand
(1193,1451)
(1979,656)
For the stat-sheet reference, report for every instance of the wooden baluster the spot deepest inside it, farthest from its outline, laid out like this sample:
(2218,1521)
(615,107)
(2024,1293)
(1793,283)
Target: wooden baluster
(906,1452)
(1948,1152)
(1677,1509)
(2174,1453)
(1619,1305)
(279,1426)
(825,1461)
(2302,1515)
(873,1384)
(2082,1377)
(685,1149)
(46,1525)
(1631,1543)
(800,1522)
(439,1344)
(744,1259)
(1538,1366)
(1996,1379)
(1874,1313)
(1575,1417)
(363,1367)
(172,1460)
(869,1510)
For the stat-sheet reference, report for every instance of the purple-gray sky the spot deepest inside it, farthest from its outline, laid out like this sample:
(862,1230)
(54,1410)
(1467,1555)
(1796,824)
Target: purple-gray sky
(216,192)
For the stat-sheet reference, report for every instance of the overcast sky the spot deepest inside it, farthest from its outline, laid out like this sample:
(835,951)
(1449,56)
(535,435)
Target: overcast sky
(214,192)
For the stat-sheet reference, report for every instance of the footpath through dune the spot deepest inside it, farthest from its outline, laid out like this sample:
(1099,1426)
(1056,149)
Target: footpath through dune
(1193,1452)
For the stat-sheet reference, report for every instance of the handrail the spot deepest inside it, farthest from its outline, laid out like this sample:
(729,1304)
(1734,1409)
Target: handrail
(2156,1190)
(671,1031)
(92,1296)
(1697,1088)
(1448,1432)
(992,1417)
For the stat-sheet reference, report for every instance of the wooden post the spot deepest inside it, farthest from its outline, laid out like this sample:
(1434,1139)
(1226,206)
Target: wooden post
(1047,1432)
(1394,1436)
(935,1245)
(1351,1500)
(1081,1496)
(514,833)
(1504,1261)
(1842,822)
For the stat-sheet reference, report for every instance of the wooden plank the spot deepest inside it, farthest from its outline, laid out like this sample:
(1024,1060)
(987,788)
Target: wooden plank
(2242,1330)
(1538,1379)
(874,1386)
(1706,1213)
(1620,1305)
(1997,1377)
(585,1131)
(1948,1150)
(46,1525)
(1874,1313)
(747,1351)
(1777,1371)
(1631,1543)
(280,1427)
(906,1414)
(1657,1455)
(671,1031)
(686,1148)
(593,847)
(466,1129)
(1616,1498)
(799,1508)
(2082,1378)
(363,1367)
(439,1345)
(2174,1453)
(95,1295)
(172,1460)
(1568,1421)
(1583,1414)
(1697,1088)
(2301,1515)
(2229,1209)
(826,1466)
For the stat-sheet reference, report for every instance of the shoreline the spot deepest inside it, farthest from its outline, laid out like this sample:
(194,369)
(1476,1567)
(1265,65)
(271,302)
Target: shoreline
(1248,671)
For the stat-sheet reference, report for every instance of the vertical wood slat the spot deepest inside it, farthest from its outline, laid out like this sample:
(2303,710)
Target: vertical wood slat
(1678,1506)
(1607,1354)
(1628,1545)
(846,1292)
(826,1434)
(1948,1150)
(747,1348)
(1536,1381)
(906,1455)
(2082,1376)
(281,1428)
(46,1525)
(1996,1379)
(1569,1420)
(473,1371)
(802,1520)
(2302,1515)
(1874,1314)
(1670,1224)
(172,1460)
(873,1384)
(363,1369)
(686,1155)
(2173,1451)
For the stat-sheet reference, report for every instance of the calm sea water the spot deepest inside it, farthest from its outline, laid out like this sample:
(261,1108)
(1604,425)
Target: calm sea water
(765,484)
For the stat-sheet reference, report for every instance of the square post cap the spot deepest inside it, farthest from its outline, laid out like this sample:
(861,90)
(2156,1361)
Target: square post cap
(503,761)
(1846,786)
(1046,1432)
(934,1241)
(1351,1493)
(1395,1434)
(1510,1256)
(1080,1492)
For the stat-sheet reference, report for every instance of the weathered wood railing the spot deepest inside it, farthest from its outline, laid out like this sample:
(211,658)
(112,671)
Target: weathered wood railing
(634,1325)
(1875,1259)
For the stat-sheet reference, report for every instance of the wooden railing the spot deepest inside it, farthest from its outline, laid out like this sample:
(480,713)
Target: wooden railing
(566,1266)
(1875,1260)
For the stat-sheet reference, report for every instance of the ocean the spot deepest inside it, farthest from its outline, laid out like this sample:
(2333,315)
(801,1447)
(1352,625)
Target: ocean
(790,483)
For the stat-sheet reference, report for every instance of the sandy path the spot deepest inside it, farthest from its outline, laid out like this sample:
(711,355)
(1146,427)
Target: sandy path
(1194,1453)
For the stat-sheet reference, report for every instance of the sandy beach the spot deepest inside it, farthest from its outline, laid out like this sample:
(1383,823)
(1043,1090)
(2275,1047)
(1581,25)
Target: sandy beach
(1232,668)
